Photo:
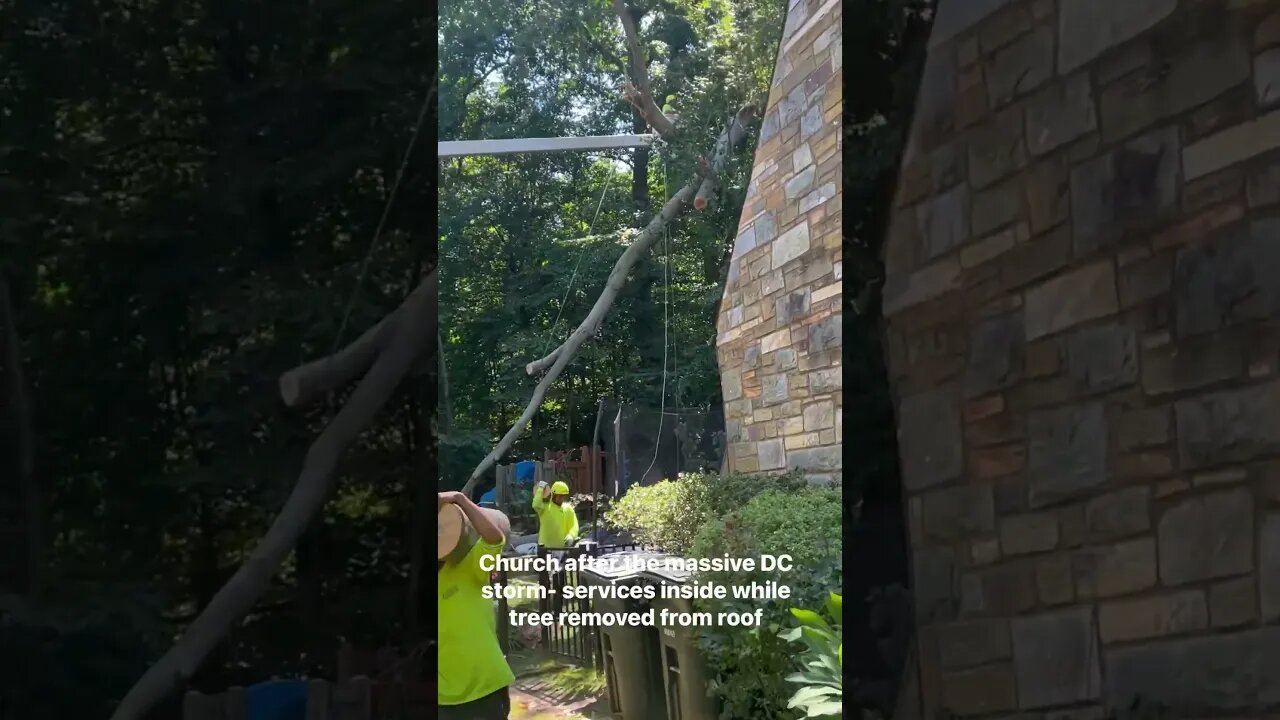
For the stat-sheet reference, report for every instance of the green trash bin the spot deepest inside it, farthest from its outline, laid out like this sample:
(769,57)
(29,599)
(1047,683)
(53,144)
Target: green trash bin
(684,669)
(630,654)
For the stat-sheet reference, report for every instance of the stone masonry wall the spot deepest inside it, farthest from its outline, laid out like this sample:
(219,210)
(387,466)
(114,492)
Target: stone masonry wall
(779,338)
(1082,293)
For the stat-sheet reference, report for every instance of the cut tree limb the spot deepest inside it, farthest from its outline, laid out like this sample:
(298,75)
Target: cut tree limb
(308,383)
(407,342)
(641,245)
(537,367)
(641,93)
(728,140)
(644,241)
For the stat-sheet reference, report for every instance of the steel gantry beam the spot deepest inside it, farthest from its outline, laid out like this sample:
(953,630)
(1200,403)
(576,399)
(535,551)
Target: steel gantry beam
(466,148)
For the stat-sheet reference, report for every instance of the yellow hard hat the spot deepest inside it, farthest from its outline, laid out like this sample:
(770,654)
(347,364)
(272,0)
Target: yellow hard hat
(560,487)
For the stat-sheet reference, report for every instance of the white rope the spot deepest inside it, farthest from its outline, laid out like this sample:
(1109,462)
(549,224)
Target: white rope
(581,253)
(382,221)
(666,322)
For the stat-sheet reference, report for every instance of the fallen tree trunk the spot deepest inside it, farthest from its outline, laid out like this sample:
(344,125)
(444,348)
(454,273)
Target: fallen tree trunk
(558,359)
(409,336)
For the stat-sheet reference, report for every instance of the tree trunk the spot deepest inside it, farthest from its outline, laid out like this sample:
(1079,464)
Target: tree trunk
(640,169)
(419,537)
(18,420)
(556,362)
(308,557)
(410,340)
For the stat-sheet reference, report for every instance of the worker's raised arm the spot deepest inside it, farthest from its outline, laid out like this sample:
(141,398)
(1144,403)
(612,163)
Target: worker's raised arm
(539,501)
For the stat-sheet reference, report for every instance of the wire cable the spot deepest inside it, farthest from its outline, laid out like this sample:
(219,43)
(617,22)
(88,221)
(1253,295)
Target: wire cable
(582,252)
(382,222)
(666,322)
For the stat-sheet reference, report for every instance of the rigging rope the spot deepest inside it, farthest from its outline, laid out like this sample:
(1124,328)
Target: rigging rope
(551,334)
(382,222)
(666,322)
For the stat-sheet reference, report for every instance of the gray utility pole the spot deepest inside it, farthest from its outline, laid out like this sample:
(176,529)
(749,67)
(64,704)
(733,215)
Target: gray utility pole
(467,148)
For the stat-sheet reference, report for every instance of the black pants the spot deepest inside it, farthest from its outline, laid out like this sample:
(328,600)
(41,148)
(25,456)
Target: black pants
(494,706)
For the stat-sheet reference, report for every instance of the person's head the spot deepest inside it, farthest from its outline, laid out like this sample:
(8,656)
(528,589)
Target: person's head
(559,492)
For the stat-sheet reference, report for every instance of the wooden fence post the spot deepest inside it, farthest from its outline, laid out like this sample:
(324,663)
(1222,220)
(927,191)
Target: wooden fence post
(317,700)
(235,706)
(353,700)
(198,706)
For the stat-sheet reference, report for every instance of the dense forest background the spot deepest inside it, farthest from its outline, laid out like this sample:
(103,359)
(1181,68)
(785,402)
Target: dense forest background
(527,241)
(189,192)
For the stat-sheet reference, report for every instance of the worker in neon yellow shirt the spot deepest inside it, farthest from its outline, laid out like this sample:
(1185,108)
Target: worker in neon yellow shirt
(557,522)
(557,530)
(474,678)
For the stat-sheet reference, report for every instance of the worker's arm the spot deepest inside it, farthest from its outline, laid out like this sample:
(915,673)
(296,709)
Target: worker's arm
(572,535)
(488,532)
(539,502)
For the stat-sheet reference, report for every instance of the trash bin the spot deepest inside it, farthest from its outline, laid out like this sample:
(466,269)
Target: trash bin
(684,669)
(630,654)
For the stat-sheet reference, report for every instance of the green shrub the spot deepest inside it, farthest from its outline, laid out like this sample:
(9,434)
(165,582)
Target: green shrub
(750,665)
(669,514)
(821,682)
(808,523)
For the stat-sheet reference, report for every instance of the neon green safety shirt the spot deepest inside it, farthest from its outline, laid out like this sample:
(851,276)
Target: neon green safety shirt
(557,524)
(471,661)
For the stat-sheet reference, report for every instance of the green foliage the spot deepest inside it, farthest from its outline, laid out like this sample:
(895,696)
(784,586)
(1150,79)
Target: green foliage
(807,523)
(821,681)
(80,655)
(750,666)
(666,514)
(460,452)
(669,514)
(524,251)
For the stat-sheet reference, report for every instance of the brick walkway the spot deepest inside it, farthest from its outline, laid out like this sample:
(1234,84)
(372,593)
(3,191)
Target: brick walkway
(533,697)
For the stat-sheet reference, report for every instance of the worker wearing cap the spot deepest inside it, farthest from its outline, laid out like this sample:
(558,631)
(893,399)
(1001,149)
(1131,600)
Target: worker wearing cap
(474,678)
(557,530)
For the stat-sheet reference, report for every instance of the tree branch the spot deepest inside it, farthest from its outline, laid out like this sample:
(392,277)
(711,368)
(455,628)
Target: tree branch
(640,245)
(305,384)
(408,341)
(537,367)
(728,140)
(639,93)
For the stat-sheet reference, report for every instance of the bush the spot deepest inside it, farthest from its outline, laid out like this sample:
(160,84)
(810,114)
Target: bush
(749,666)
(821,682)
(669,514)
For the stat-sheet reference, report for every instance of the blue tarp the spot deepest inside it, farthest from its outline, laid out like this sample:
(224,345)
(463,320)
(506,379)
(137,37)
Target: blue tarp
(524,472)
(490,497)
(278,700)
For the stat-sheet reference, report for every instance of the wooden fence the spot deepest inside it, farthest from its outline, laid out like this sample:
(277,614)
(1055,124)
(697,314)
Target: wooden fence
(380,684)
(584,469)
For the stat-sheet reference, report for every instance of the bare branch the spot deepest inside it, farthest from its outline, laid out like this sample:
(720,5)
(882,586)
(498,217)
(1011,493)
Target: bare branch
(640,245)
(538,366)
(409,340)
(643,242)
(305,384)
(640,94)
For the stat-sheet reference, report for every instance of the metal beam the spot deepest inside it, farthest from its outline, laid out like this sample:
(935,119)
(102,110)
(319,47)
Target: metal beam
(465,148)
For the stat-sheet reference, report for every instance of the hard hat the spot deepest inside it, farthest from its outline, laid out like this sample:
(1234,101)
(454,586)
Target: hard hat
(560,487)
